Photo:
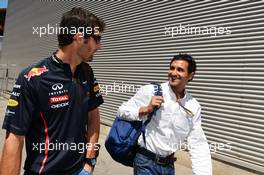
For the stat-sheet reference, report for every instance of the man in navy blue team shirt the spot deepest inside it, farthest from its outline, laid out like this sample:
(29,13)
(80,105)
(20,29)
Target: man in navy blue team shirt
(54,105)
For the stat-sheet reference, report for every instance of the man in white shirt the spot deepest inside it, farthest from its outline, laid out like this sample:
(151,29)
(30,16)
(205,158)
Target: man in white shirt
(178,118)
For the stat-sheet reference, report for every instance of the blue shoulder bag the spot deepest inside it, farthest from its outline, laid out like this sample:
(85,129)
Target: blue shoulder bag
(121,142)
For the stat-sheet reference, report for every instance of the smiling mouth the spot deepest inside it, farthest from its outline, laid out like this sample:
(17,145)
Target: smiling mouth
(174,78)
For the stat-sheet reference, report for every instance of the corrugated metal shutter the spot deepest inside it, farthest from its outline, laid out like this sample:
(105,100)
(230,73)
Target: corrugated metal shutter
(229,81)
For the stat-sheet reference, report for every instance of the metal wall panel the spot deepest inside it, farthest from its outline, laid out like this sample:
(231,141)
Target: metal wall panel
(136,50)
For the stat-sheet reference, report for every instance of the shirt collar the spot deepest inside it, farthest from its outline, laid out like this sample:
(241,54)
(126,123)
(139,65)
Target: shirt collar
(55,59)
(65,66)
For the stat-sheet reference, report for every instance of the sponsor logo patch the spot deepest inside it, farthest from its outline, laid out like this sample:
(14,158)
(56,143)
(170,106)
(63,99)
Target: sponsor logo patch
(58,89)
(59,98)
(12,103)
(35,72)
(57,86)
(17,86)
(60,105)
(8,112)
(58,92)
(16,94)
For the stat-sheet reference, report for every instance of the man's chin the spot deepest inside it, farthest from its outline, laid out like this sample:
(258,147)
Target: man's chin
(173,84)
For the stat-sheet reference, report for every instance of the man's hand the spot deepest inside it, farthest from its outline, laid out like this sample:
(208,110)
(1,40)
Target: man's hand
(85,172)
(88,168)
(11,155)
(155,101)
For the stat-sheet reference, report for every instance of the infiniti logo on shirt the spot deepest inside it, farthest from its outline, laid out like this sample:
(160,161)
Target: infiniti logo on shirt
(57,86)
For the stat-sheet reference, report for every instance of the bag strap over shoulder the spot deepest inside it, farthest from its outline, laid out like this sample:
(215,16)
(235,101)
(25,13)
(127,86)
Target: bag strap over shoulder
(157,92)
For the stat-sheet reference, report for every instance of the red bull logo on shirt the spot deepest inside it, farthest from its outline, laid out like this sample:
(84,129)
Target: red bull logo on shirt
(36,72)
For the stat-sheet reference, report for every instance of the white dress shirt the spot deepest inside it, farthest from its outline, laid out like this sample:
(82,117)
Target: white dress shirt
(171,125)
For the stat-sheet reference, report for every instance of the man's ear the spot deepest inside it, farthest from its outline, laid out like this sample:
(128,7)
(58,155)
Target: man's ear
(191,76)
(78,36)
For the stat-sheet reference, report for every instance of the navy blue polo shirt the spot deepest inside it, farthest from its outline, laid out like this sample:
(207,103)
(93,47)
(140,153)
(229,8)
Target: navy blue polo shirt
(49,106)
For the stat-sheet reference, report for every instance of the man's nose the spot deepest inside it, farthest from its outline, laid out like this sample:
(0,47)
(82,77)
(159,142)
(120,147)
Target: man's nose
(174,72)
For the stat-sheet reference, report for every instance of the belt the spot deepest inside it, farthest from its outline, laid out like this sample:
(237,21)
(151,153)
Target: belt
(161,160)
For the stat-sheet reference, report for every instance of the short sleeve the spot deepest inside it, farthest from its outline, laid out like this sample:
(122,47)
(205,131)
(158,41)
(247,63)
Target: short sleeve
(95,98)
(20,107)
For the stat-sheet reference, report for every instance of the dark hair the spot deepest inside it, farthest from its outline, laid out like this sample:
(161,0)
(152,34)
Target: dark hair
(78,18)
(189,59)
